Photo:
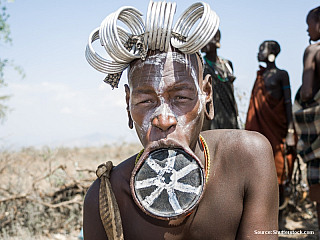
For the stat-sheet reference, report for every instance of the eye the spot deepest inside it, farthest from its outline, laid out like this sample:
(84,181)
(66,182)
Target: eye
(181,99)
(148,101)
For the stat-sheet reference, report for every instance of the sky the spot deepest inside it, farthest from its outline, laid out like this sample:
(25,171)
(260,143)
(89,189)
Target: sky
(63,101)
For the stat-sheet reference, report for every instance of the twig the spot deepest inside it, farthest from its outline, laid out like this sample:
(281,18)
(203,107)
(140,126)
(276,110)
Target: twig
(62,204)
(47,175)
(74,200)
(6,190)
(85,170)
(13,198)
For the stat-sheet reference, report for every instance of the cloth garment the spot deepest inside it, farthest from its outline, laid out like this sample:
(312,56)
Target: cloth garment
(225,106)
(313,172)
(267,115)
(306,117)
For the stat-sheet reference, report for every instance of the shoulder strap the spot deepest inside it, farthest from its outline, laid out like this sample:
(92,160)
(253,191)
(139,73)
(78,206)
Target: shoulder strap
(109,210)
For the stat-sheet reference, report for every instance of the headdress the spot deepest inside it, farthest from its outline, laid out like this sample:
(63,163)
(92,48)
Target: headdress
(193,30)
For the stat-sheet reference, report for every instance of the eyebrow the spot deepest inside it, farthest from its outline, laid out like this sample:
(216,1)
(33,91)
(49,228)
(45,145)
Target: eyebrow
(181,87)
(142,91)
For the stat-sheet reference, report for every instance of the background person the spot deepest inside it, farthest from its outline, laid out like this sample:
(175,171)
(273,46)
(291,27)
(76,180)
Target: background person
(221,71)
(307,109)
(270,113)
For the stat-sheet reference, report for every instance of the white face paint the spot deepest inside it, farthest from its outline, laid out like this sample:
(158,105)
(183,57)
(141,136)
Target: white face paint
(163,62)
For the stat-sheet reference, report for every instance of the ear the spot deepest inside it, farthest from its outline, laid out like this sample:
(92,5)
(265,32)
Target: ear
(130,122)
(207,89)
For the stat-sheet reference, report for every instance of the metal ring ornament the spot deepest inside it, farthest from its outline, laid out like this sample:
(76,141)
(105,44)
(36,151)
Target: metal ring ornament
(109,36)
(156,33)
(168,183)
(99,63)
(202,34)
(158,25)
(152,23)
(170,23)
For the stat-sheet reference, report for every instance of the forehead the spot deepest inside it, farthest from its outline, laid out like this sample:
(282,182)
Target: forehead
(167,68)
(312,18)
(263,45)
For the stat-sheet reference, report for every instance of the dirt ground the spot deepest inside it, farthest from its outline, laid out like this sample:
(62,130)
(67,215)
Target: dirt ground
(300,214)
(300,219)
(42,192)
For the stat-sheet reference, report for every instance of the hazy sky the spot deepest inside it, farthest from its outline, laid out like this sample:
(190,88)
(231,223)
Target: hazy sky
(63,100)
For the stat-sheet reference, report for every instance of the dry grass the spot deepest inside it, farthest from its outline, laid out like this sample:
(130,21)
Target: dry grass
(42,191)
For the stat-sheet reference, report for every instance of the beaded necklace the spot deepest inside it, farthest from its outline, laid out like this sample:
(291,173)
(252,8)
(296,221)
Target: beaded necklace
(212,64)
(206,156)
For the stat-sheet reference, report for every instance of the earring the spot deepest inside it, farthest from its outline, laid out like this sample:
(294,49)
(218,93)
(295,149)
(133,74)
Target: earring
(271,57)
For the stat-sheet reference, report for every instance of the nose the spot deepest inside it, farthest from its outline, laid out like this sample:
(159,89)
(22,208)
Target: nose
(164,121)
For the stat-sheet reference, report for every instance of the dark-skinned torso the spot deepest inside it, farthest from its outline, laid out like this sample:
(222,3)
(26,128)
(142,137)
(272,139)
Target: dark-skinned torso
(311,61)
(275,80)
(277,84)
(311,72)
(230,207)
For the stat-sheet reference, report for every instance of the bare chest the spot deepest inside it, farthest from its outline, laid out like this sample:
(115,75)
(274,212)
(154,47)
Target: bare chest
(216,217)
(272,81)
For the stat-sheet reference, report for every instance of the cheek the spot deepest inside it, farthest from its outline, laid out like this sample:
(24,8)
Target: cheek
(193,119)
(202,102)
(142,121)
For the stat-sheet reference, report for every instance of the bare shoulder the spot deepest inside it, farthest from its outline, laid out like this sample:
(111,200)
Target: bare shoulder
(283,73)
(236,139)
(317,56)
(248,147)
(311,51)
(312,48)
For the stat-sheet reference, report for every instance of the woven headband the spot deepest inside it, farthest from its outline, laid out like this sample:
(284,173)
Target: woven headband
(154,34)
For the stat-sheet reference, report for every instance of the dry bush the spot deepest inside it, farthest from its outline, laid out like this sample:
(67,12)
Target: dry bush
(42,191)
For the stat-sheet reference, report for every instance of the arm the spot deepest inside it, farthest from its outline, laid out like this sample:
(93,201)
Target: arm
(285,84)
(260,201)
(92,225)
(308,72)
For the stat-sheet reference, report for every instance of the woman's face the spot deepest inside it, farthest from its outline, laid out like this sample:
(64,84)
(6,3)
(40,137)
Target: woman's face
(313,27)
(263,52)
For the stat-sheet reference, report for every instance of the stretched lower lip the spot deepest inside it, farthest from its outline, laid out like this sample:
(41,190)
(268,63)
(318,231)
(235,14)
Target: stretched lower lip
(163,143)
